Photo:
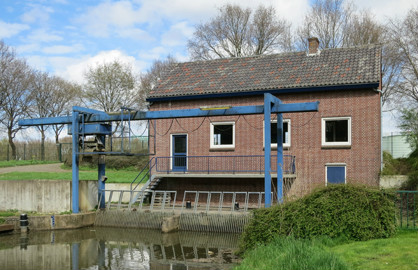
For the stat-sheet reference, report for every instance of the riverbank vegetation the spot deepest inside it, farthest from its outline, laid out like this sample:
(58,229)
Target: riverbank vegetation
(337,227)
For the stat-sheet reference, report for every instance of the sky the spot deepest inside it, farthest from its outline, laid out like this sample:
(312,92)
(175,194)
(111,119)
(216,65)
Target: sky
(65,37)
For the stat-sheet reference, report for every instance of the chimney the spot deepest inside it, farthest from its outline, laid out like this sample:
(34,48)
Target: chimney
(313,45)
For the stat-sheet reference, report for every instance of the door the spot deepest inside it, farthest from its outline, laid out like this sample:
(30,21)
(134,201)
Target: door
(179,152)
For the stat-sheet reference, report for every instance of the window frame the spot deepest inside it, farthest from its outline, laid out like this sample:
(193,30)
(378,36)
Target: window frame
(335,144)
(285,145)
(335,165)
(211,136)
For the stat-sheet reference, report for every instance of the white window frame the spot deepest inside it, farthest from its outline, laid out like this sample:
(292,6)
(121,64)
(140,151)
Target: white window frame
(336,144)
(335,165)
(226,146)
(285,145)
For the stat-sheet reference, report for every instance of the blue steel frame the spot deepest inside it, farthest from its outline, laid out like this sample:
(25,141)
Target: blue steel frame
(271,105)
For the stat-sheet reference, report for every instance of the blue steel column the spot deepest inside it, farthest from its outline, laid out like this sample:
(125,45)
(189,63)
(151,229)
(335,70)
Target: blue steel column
(101,173)
(279,158)
(75,253)
(75,131)
(267,150)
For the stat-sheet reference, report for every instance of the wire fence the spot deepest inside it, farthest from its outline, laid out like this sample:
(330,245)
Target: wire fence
(32,151)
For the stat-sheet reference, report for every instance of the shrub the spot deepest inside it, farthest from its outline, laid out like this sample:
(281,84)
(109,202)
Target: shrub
(289,253)
(113,162)
(352,212)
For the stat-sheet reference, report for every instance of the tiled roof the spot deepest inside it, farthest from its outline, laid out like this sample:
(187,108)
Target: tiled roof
(332,67)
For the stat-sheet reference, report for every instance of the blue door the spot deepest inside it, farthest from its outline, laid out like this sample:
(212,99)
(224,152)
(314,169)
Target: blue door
(179,152)
(335,174)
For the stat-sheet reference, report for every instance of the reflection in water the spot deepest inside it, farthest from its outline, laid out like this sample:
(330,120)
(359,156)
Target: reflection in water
(117,248)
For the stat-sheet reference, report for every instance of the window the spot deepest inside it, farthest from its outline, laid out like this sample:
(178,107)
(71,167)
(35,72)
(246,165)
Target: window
(336,131)
(222,135)
(335,173)
(286,133)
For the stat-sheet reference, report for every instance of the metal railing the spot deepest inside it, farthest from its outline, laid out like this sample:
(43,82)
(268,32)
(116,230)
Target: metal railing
(192,201)
(222,164)
(407,202)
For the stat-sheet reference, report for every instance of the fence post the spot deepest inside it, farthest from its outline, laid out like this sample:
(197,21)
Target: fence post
(7,152)
(24,151)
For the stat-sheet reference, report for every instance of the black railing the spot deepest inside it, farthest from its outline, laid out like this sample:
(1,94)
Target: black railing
(222,164)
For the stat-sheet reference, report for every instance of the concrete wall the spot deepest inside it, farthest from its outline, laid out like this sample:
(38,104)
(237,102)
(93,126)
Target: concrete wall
(45,196)
(392,181)
(55,222)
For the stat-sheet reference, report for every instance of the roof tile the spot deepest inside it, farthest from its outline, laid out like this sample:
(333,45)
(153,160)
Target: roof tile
(332,67)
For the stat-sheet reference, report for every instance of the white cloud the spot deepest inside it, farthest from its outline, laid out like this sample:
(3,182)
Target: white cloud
(386,9)
(44,35)
(107,17)
(62,49)
(38,14)
(11,29)
(135,33)
(74,71)
(177,35)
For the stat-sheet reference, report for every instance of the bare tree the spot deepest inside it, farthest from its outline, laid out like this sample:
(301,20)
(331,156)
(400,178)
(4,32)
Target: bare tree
(328,20)
(64,95)
(237,32)
(404,37)
(338,23)
(7,56)
(149,79)
(16,88)
(110,86)
(51,96)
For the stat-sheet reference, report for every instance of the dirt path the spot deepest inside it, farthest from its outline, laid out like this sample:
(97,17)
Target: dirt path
(56,167)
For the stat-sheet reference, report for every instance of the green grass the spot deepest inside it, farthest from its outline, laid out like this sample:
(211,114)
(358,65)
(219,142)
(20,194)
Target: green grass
(291,254)
(114,176)
(13,163)
(398,252)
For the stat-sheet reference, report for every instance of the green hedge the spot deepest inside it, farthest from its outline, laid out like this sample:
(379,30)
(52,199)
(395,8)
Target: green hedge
(351,212)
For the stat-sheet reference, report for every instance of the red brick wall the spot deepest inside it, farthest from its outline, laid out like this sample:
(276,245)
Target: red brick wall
(362,159)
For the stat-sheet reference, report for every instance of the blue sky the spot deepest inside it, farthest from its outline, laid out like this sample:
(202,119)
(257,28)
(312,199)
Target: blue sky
(64,37)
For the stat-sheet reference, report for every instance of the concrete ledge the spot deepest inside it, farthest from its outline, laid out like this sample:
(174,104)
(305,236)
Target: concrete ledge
(55,222)
(392,181)
(6,227)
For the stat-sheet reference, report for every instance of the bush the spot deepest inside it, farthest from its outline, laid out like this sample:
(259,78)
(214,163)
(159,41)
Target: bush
(113,162)
(395,166)
(337,211)
(290,253)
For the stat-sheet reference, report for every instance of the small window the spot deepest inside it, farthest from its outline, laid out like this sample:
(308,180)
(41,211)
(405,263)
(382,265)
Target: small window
(336,131)
(335,173)
(286,133)
(222,135)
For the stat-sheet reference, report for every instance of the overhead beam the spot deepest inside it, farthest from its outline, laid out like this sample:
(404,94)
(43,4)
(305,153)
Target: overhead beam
(185,113)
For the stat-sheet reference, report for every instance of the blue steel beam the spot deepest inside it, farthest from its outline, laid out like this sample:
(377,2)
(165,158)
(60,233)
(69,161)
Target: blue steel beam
(271,105)
(140,115)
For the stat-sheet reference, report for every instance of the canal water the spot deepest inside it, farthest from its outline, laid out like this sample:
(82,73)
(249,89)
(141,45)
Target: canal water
(117,248)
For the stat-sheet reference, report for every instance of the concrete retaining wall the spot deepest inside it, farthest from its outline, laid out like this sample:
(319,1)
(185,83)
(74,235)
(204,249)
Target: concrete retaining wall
(55,222)
(392,181)
(45,196)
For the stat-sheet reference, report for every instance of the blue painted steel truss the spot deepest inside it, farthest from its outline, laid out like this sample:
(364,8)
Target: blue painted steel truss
(80,116)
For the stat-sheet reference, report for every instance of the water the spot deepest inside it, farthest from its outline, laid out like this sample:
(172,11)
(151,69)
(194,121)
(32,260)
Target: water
(117,248)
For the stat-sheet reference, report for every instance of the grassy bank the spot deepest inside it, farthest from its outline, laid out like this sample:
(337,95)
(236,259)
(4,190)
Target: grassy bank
(398,252)
(14,163)
(114,176)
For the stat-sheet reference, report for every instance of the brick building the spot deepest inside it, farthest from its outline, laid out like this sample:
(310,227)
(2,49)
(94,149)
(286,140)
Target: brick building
(341,143)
